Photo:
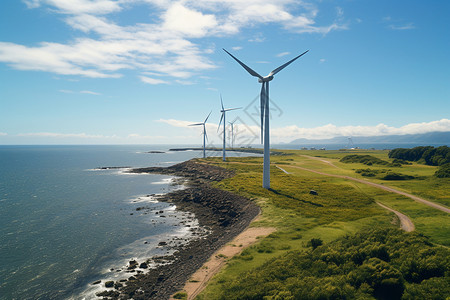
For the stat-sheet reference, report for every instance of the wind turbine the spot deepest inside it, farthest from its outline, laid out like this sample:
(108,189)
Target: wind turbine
(264,103)
(223,111)
(232,133)
(205,136)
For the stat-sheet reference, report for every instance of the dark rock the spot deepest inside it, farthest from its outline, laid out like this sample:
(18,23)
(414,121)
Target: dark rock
(96,282)
(143,265)
(132,265)
(313,192)
(118,285)
(109,284)
(162,243)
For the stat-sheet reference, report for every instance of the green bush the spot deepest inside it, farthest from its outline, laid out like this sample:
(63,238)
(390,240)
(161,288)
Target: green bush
(443,171)
(397,176)
(364,159)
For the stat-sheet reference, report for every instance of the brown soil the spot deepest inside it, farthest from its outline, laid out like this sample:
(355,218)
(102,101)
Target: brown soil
(199,279)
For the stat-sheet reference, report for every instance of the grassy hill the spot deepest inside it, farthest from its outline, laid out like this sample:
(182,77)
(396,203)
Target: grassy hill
(341,211)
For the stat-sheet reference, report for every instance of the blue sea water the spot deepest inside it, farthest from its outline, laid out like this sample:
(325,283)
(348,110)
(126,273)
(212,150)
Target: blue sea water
(64,224)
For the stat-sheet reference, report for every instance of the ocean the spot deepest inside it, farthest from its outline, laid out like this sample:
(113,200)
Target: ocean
(65,224)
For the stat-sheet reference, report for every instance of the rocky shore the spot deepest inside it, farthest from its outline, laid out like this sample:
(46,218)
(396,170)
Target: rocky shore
(224,214)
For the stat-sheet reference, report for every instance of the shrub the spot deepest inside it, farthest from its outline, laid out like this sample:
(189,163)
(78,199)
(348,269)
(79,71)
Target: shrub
(314,243)
(443,171)
(397,176)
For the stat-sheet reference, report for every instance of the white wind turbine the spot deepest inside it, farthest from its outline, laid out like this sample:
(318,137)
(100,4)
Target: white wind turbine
(232,133)
(223,111)
(264,103)
(205,136)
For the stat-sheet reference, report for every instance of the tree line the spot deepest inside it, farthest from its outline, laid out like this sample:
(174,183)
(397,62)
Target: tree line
(428,155)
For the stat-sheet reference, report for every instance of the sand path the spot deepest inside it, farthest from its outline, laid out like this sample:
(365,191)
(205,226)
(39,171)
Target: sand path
(201,277)
(405,223)
(380,186)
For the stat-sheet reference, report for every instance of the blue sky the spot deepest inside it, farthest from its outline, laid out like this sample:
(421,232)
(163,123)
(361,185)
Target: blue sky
(140,71)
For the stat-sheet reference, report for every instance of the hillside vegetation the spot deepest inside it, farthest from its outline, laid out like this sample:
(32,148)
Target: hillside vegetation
(379,264)
(324,246)
(429,155)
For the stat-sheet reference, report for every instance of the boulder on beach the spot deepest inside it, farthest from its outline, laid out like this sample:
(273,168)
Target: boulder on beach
(109,284)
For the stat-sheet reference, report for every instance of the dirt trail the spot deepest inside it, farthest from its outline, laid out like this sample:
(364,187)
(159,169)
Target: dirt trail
(201,277)
(405,223)
(380,186)
(320,159)
(377,185)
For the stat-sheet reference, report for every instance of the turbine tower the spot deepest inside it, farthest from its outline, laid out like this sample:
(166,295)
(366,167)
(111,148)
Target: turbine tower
(223,111)
(205,136)
(264,104)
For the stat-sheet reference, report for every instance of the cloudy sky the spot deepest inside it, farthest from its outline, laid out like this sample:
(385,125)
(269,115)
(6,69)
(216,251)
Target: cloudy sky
(141,71)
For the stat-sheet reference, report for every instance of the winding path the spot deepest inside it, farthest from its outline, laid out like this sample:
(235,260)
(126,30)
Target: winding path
(380,186)
(405,223)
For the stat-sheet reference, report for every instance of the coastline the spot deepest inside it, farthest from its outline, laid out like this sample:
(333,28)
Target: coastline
(223,214)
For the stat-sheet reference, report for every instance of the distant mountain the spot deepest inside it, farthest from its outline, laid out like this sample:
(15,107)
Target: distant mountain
(424,138)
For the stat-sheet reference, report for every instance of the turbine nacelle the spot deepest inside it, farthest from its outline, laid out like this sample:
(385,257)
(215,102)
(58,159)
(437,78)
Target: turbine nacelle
(265,79)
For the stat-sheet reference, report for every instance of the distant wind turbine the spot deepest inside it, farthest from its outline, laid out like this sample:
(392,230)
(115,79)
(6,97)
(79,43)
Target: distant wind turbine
(223,111)
(205,136)
(232,133)
(264,103)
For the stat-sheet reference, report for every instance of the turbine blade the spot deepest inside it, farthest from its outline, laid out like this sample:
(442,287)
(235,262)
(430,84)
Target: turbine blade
(197,124)
(286,64)
(221,102)
(262,106)
(207,117)
(221,118)
(249,70)
(233,108)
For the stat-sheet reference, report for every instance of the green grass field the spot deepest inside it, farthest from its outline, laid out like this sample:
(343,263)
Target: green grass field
(342,207)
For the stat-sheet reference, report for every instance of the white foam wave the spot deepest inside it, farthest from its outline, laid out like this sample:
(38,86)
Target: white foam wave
(164,181)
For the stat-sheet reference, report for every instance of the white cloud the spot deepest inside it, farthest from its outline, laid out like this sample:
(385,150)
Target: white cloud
(90,93)
(168,45)
(176,123)
(322,60)
(289,133)
(236,48)
(152,80)
(3,134)
(402,27)
(183,20)
(81,92)
(283,54)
